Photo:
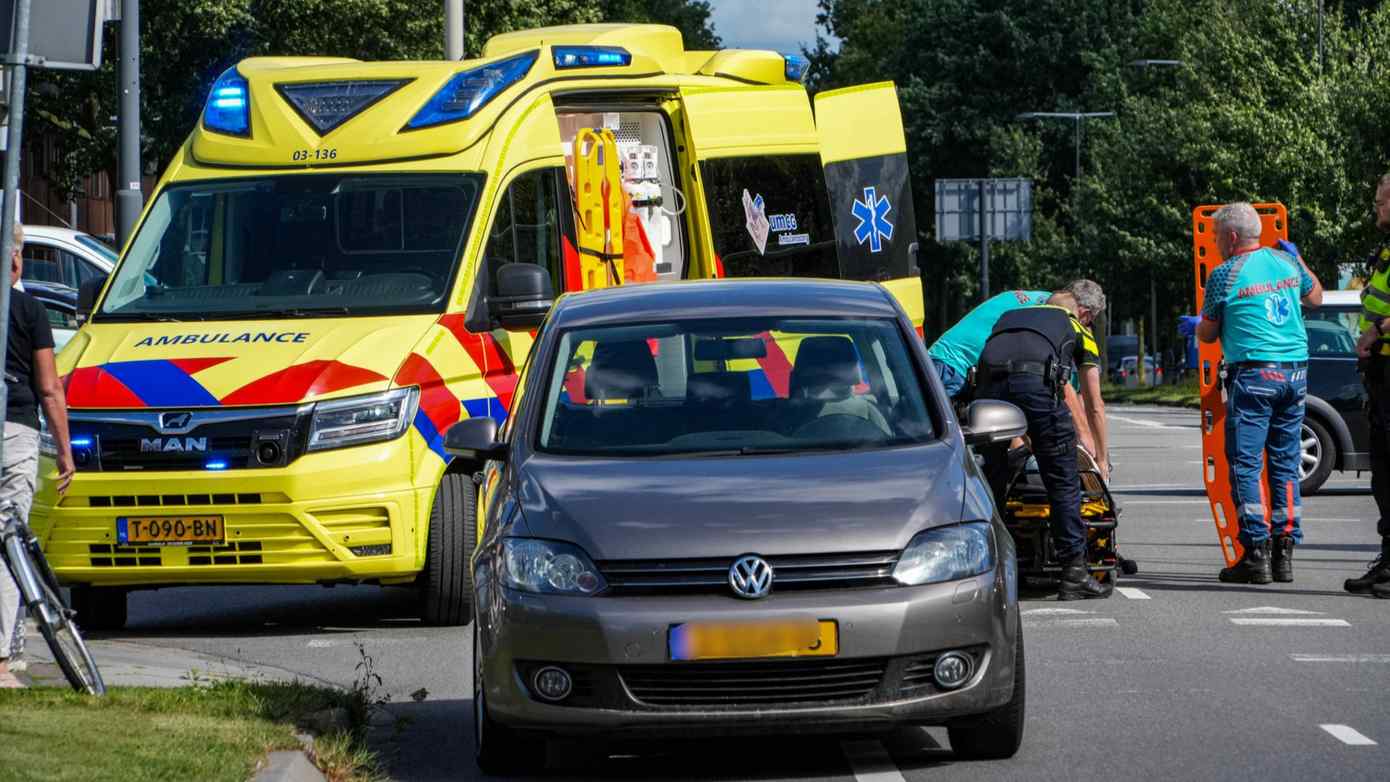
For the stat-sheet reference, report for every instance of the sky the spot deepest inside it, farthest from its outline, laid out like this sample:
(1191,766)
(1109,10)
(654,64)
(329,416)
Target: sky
(780,25)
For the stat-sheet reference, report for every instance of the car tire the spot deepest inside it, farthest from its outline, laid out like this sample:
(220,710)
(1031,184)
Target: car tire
(1318,450)
(446,591)
(497,749)
(997,734)
(99,608)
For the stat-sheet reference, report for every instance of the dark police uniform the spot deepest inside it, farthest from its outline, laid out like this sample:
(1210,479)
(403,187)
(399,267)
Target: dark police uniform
(1030,355)
(1375,373)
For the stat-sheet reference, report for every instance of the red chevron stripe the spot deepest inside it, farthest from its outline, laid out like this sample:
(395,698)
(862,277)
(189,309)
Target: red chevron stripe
(193,366)
(437,402)
(299,381)
(498,371)
(776,366)
(95,387)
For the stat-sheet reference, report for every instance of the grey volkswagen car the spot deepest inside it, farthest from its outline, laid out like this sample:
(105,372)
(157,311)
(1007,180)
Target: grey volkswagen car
(737,506)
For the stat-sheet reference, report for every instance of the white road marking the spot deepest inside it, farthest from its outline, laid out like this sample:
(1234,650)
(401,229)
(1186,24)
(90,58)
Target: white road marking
(1096,622)
(1132,593)
(1147,486)
(1251,621)
(1147,424)
(1347,735)
(1274,610)
(1340,658)
(321,644)
(870,762)
(1054,611)
(1129,502)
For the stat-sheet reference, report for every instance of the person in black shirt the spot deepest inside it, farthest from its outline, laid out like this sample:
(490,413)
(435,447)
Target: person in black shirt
(31,380)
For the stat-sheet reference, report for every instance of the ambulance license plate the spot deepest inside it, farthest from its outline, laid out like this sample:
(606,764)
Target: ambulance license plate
(170,530)
(749,640)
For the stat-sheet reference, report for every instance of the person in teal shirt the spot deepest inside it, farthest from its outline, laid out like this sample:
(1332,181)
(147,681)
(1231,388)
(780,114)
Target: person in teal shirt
(957,350)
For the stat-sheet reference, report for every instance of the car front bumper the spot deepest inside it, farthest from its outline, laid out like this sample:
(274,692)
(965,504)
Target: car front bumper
(616,647)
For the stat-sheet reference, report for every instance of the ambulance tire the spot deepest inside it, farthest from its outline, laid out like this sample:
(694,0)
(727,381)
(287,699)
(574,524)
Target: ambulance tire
(994,735)
(446,594)
(99,608)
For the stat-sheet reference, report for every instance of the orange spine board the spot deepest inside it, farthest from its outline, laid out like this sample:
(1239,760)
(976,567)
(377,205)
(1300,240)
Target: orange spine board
(1216,474)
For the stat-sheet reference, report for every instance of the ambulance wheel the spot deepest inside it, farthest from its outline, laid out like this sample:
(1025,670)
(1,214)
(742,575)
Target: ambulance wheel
(446,590)
(997,734)
(99,608)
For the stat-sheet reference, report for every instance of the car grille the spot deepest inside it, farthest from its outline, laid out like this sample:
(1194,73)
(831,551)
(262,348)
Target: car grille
(754,684)
(116,441)
(814,571)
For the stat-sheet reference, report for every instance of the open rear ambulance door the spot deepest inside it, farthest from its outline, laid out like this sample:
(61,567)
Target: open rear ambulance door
(864,153)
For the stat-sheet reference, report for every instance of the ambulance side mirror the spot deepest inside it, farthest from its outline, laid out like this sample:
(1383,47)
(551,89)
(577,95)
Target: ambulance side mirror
(990,421)
(524,296)
(87,295)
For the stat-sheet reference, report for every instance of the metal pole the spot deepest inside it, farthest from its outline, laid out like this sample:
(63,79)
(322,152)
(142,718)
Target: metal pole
(17,62)
(129,197)
(1153,321)
(1078,147)
(984,244)
(1321,3)
(453,29)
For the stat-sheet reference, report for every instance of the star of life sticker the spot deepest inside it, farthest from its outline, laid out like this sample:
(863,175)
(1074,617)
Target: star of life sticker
(755,219)
(872,214)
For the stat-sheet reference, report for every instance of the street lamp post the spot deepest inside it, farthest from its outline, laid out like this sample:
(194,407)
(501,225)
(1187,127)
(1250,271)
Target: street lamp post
(1077,117)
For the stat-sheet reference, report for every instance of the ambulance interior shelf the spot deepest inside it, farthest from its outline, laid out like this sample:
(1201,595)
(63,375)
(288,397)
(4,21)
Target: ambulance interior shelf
(643,224)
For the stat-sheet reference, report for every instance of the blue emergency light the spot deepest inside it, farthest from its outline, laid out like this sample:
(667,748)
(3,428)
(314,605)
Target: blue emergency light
(590,56)
(229,105)
(470,90)
(216,465)
(81,442)
(796,66)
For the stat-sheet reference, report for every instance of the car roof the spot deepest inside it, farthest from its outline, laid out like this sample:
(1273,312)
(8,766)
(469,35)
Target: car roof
(1341,298)
(52,232)
(724,299)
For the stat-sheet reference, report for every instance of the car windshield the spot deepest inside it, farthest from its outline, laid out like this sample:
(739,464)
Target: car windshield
(733,386)
(1332,332)
(292,246)
(97,246)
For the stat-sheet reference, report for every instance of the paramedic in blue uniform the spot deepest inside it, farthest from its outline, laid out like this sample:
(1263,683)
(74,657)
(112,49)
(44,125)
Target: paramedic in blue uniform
(958,348)
(1252,306)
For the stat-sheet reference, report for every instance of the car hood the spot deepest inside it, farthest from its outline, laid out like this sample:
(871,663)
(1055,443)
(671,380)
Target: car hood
(666,508)
(206,364)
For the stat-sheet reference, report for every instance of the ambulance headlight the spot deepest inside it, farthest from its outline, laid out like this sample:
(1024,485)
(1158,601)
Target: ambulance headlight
(362,419)
(228,109)
(467,92)
(947,553)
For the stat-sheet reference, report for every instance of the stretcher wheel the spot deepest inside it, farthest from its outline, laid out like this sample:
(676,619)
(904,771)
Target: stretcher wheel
(1128,566)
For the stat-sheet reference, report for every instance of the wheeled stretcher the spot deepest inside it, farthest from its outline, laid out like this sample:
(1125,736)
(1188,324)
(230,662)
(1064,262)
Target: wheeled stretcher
(1027,514)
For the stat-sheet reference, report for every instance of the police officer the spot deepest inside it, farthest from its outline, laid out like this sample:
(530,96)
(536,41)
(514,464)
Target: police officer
(1028,360)
(1252,306)
(957,350)
(1374,350)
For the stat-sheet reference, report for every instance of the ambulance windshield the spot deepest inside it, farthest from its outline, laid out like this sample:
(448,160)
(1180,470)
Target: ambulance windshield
(296,246)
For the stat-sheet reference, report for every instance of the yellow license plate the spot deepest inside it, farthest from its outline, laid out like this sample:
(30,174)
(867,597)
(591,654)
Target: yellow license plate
(170,530)
(745,640)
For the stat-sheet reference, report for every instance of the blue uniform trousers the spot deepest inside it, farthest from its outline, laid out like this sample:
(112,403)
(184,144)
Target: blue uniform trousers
(1264,416)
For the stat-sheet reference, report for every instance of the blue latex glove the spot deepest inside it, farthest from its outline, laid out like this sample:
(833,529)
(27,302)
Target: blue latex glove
(1187,324)
(1289,247)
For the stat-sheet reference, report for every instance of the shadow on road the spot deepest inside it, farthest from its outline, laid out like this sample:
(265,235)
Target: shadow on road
(268,611)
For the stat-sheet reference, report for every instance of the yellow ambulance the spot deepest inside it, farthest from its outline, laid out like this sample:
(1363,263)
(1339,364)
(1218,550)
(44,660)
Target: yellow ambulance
(260,391)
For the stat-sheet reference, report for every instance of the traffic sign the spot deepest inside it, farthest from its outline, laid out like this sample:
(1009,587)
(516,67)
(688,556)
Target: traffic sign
(63,34)
(1008,204)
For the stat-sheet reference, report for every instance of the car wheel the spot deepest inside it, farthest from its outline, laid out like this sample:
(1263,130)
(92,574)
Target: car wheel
(446,593)
(99,608)
(1317,456)
(497,749)
(997,734)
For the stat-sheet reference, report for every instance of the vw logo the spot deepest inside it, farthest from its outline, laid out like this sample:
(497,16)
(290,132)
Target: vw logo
(174,422)
(750,577)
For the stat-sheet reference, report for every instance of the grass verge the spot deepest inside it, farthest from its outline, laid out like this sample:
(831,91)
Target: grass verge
(215,732)
(1184,394)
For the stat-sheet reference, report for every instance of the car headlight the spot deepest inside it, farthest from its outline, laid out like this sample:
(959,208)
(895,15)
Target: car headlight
(946,554)
(362,419)
(548,567)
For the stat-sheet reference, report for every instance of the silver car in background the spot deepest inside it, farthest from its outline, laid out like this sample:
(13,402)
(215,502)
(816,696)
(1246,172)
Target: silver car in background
(738,506)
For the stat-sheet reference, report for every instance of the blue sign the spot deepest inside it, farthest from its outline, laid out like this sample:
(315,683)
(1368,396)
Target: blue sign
(872,214)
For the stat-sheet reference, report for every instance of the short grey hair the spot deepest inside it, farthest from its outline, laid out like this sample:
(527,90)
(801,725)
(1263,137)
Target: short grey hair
(1089,295)
(1240,217)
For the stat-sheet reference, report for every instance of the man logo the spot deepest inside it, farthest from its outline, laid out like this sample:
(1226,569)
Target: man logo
(175,422)
(173,445)
(750,577)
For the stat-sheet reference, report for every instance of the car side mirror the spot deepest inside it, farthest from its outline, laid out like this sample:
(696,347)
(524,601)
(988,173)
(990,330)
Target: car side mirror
(474,440)
(991,421)
(524,296)
(87,295)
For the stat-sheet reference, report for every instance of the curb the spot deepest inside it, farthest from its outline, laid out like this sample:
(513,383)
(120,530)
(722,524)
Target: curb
(288,766)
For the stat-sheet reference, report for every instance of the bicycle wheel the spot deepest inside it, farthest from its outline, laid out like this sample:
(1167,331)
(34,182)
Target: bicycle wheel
(56,625)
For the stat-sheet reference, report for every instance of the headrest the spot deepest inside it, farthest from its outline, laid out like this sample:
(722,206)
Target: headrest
(826,368)
(620,370)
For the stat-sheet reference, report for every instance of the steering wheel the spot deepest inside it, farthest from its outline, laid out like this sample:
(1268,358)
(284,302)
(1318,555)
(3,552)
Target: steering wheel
(840,426)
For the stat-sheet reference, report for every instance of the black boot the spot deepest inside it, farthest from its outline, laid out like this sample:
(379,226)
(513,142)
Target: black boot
(1078,583)
(1381,590)
(1281,563)
(1253,567)
(1377,575)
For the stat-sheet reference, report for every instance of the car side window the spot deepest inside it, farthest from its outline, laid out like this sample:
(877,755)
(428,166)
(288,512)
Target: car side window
(58,318)
(42,263)
(526,228)
(1332,333)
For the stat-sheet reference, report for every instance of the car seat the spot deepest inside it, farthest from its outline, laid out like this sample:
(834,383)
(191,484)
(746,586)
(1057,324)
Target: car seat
(620,371)
(821,389)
